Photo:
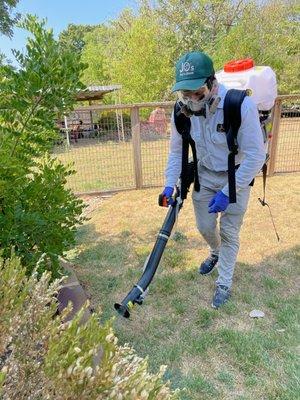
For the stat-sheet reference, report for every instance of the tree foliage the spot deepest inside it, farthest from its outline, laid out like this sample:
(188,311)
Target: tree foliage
(270,34)
(131,51)
(7,19)
(140,58)
(197,24)
(139,50)
(94,55)
(37,213)
(73,37)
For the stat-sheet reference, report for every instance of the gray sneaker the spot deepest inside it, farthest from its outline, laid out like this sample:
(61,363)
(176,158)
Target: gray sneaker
(221,296)
(208,265)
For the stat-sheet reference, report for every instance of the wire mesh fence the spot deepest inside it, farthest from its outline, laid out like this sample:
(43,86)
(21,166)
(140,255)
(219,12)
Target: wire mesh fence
(287,157)
(99,149)
(101,145)
(126,146)
(155,130)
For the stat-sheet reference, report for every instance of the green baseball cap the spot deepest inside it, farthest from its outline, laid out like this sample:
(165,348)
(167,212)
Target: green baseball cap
(192,70)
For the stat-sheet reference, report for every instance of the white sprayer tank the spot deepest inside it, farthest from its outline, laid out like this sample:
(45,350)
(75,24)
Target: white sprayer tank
(242,74)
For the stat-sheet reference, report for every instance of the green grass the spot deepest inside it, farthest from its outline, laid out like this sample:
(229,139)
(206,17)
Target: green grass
(221,354)
(109,165)
(205,317)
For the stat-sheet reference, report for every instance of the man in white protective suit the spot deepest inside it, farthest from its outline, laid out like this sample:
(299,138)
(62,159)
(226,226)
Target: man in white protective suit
(202,98)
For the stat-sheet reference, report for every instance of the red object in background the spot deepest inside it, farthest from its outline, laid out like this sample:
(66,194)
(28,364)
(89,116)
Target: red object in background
(159,120)
(239,65)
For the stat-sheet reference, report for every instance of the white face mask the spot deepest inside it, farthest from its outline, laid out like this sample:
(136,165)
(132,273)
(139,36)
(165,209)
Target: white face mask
(194,99)
(198,99)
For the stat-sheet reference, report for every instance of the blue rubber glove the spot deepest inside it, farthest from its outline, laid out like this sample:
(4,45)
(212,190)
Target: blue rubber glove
(218,203)
(167,193)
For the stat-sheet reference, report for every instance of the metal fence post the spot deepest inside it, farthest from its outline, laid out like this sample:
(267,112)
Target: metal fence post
(136,143)
(67,131)
(275,134)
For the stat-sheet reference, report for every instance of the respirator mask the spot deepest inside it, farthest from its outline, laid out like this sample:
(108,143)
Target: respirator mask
(201,101)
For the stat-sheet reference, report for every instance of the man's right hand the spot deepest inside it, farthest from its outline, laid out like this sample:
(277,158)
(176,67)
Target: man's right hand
(165,198)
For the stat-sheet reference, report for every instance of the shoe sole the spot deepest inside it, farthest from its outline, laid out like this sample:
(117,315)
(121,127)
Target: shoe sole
(216,308)
(207,273)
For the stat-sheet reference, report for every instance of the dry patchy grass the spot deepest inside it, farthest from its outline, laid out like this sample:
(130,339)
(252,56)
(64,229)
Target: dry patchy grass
(215,354)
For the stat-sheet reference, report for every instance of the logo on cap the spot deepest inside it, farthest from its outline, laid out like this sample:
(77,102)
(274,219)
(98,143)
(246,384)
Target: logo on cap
(186,69)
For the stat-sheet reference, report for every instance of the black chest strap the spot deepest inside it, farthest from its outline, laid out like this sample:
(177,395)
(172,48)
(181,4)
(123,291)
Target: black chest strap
(183,126)
(232,122)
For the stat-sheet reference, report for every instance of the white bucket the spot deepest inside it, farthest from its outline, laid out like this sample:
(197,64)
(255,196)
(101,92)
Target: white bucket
(260,79)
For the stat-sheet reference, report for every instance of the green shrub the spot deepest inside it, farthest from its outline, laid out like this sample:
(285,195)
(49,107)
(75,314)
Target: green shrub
(44,358)
(38,214)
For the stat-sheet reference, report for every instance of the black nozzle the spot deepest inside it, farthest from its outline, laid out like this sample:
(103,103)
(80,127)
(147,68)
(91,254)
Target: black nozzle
(122,310)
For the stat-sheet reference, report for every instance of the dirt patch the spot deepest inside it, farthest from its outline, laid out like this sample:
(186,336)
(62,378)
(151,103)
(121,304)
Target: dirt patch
(93,202)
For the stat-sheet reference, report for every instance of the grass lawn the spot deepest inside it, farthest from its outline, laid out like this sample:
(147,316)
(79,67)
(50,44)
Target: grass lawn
(220,354)
(109,165)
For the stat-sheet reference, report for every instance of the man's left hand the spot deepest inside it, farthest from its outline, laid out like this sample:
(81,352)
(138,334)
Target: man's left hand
(218,203)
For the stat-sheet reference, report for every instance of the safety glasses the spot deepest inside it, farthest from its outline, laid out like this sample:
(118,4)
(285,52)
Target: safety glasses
(193,95)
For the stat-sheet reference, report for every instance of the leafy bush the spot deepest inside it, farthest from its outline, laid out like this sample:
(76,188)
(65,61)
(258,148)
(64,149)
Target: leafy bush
(43,358)
(37,214)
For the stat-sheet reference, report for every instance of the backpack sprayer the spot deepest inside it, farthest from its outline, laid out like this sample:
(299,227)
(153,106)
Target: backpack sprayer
(261,80)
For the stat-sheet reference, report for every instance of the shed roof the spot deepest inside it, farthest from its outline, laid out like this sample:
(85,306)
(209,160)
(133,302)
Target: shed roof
(95,92)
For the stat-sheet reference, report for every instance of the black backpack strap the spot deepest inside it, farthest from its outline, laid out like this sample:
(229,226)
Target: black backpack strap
(183,126)
(182,122)
(196,177)
(232,122)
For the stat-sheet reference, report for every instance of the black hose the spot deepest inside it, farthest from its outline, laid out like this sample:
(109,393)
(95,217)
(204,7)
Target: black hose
(136,293)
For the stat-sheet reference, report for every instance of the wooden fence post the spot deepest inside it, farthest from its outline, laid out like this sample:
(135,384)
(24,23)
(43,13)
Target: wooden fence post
(136,144)
(275,134)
